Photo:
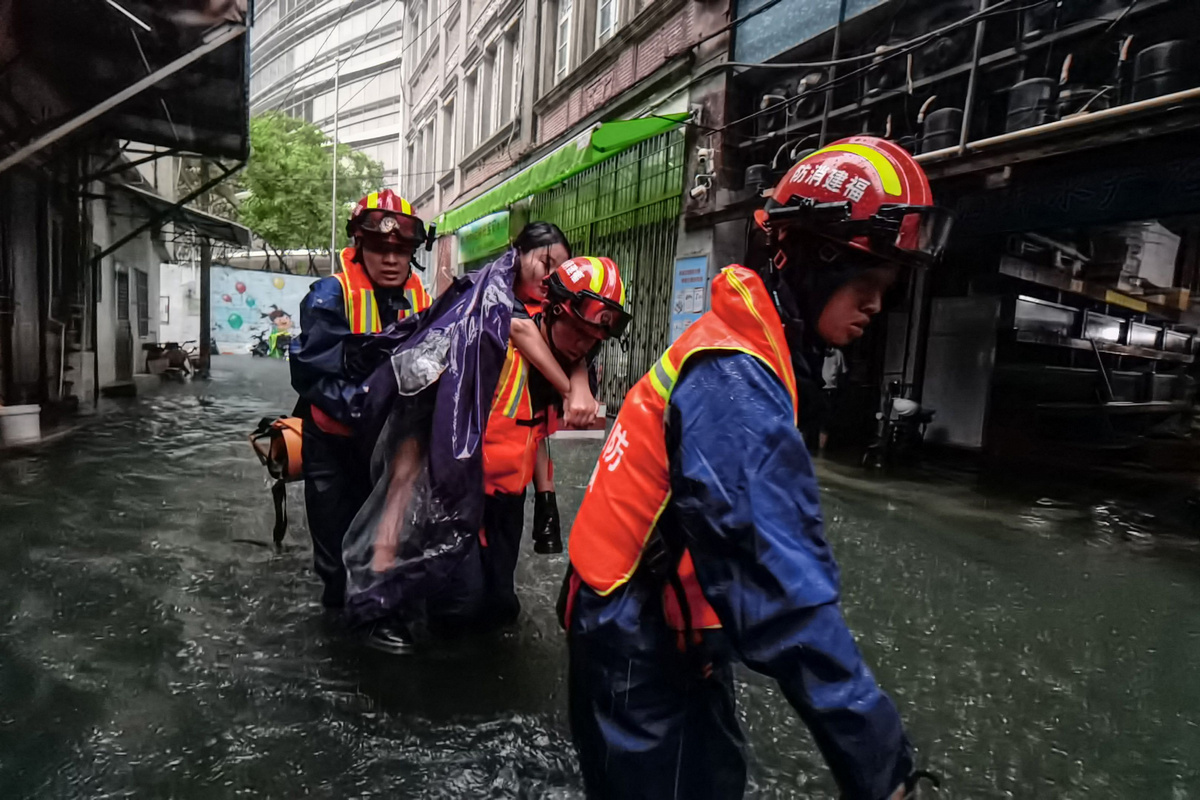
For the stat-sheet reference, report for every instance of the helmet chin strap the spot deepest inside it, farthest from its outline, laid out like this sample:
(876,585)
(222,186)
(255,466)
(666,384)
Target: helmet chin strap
(548,319)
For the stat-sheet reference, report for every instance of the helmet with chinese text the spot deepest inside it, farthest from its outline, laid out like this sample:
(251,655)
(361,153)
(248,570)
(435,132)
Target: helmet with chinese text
(591,291)
(864,192)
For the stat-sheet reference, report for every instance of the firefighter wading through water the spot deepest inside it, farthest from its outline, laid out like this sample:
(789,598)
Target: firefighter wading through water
(375,287)
(700,539)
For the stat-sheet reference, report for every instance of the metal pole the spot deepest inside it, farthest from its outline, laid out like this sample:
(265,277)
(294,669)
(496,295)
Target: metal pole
(205,307)
(837,52)
(333,215)
(973,82)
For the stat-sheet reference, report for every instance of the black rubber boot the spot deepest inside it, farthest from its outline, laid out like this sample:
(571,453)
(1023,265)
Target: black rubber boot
(547,535)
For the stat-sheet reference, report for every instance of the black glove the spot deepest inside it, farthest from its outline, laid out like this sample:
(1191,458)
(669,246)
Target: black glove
(547,535)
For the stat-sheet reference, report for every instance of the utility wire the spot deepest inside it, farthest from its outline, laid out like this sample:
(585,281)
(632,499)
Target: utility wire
(416,38)
(302,73)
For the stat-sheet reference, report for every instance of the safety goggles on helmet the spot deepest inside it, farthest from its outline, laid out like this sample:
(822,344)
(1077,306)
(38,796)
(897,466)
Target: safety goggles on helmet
(588,307)
(393,225)
(601,312)
(910,234)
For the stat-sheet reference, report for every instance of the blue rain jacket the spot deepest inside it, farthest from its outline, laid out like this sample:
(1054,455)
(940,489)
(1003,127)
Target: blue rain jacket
(319,354)
(745,502)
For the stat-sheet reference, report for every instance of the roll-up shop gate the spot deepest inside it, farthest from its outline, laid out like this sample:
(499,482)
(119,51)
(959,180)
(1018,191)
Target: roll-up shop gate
(627,209)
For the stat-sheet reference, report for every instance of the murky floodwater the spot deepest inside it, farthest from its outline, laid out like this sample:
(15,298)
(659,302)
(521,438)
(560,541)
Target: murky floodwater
(1038,646)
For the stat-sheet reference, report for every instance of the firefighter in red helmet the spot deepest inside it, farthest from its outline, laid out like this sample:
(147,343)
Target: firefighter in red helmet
(373,286)
(700,541)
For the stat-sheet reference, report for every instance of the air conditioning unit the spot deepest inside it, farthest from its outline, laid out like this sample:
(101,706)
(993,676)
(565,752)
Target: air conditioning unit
(1052,15)
(934,56)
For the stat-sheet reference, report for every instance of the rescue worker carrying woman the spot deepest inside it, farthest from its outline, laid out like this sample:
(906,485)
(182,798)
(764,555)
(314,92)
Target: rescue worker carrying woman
(540,248)
(700,538)
(375,287)
(585,305)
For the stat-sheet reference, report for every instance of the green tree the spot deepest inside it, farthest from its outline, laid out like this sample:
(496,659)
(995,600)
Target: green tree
(287,183)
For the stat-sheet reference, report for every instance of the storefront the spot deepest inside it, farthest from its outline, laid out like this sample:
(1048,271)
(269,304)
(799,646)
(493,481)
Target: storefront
(615,192)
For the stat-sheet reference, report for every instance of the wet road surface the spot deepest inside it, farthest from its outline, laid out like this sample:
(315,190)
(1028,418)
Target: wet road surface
(1038,646)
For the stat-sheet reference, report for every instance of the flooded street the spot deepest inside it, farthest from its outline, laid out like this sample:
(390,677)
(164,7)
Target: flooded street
(153,645)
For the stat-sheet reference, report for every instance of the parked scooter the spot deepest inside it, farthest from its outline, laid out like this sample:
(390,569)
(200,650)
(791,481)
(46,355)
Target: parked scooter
(271,345)
(902,426)
(261,347)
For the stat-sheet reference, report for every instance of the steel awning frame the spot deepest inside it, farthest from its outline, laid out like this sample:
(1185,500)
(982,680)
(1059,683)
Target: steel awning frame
(177,212)
(217,38)
(208,226)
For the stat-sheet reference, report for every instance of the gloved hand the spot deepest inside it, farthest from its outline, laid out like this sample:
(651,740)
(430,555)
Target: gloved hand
(547,535)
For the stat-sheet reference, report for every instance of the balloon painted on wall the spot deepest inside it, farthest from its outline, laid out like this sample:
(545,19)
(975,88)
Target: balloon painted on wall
(251,302)
(235,321)
(241,287)
(279,283)
(227,298)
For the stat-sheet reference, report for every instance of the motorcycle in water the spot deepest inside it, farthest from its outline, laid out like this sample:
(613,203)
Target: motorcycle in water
(902,426)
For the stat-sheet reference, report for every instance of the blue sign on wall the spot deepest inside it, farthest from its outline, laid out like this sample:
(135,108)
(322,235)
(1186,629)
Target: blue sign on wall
(788,24)
(690,297)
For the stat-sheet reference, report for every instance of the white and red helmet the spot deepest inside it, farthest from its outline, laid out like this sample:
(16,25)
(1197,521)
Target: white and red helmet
(866,192)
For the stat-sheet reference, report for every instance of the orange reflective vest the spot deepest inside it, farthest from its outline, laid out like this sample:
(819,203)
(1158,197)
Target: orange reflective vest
(631,487)
(513,434)
(358,293)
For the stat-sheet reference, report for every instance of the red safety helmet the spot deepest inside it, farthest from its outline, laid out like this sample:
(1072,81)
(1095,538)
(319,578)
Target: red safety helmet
(863,191)
(593,291)
(388,215)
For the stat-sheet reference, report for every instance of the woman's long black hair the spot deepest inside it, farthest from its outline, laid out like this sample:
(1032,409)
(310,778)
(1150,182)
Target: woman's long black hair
(540,234)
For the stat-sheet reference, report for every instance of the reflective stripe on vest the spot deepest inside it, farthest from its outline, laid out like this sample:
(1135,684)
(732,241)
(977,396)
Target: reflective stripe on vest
(418,299)
(630,487)
(511,439)
(358,295)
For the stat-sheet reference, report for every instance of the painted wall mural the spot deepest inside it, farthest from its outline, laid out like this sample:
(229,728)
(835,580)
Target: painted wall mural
(248,305)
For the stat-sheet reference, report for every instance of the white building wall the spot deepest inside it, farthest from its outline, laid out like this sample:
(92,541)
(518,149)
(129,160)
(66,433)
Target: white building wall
(179,286)
(112,218)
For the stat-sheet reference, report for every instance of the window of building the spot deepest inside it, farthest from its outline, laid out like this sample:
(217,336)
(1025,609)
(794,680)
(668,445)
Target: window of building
(468,122)
(143,302)
(410,182)
(448,131)
(122,296)
(606,20)
(429,134)
(487,96)
(562,46)
(508,55)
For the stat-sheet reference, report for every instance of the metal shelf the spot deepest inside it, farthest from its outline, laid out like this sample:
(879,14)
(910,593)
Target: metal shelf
(1110,348)
(1054,279)
(1008,57)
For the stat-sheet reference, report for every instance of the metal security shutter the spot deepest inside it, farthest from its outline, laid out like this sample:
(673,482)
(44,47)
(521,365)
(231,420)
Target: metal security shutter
(627,208)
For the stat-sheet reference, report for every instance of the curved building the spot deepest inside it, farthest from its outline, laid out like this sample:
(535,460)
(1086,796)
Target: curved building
(299,46)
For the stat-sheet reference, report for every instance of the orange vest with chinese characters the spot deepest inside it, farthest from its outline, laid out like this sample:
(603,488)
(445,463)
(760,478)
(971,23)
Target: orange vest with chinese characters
(631,486)
(358,294)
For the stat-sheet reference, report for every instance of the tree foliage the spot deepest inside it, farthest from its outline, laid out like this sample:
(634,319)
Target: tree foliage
(287,184)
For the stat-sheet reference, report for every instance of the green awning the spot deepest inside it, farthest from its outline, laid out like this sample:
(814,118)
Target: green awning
(605,142)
